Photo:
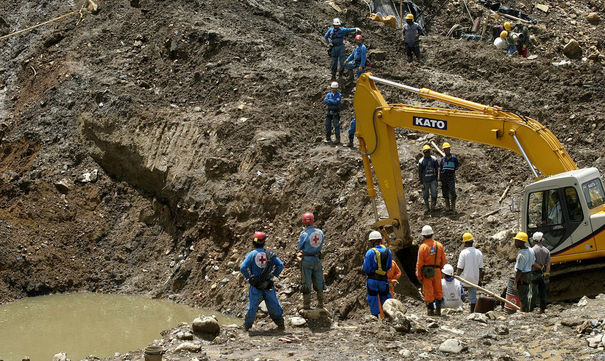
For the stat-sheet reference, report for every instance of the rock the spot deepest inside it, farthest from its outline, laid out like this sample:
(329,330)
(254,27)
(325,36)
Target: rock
(61,356)
(88,177)
(377,55)
(572,50)
(393,307)
(263,307)
(315,314)
(207,325)
(479,317)
(491,315)
(297,321)
(595,341)
(544,8)
(492,219)
(188,346)
(593,53)
(451,345)
(402,324)
(593,18)
(452,330)
(63,186)
(405,353)
(583,301)
(184,335)
(501,330)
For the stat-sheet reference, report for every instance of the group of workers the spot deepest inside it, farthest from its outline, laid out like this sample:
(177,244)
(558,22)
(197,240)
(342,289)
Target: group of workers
(430,171)
(512,39)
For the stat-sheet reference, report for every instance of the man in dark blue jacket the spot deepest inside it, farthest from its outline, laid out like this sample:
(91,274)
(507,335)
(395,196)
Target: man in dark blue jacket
(428,170)
(377,262)
(447,171)
(335,37)
(332,100)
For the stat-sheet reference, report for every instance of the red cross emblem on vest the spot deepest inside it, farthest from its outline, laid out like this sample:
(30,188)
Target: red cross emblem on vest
(315,239)
(262,259)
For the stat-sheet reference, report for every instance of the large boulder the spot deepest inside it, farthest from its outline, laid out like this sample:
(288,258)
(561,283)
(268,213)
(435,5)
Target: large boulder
(206,325)
(572,50)
(393,307)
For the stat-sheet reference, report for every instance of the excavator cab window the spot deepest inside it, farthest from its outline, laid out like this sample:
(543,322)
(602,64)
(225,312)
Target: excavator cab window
(593,191)
(554,212)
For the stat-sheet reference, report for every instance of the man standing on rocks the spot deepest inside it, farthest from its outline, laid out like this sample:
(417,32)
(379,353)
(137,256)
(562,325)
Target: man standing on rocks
(332,100)
(447,170)
(310,242)
(523,266)
(431,258)
(377,262)
(258,268)
(428,168)
(470,267)
(541,274)
(335,37)
(411,32)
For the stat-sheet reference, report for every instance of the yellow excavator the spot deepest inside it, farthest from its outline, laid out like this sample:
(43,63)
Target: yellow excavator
(565,203)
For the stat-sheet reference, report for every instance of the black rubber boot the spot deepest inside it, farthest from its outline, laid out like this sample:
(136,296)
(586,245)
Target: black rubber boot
(438,307)
(334,75)
(429,309)
(472,307)
(280,324)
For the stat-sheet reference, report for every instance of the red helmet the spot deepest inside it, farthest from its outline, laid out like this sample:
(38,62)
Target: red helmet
(259,237)
(308,218)
(358,37)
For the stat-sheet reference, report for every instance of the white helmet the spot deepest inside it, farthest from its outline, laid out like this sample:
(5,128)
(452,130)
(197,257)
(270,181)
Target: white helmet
(334,85)
(538,236)
(448,270)
(427,230)
(374,235)
(336,22)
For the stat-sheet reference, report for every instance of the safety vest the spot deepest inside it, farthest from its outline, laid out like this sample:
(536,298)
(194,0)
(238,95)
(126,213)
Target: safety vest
(452,294)
(381,271)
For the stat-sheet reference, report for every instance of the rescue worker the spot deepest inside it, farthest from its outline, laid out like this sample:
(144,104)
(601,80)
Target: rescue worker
(393,275)
(333,101)
(453,292)
(523,266)
(501,42)
(470,267)
(521,39)
(411,32)
(376,264)
(431,258)
(352,127)
(258,268)
(428,168)
(541,274)
(310,242)
(447,173)
(358,59)
(335,37)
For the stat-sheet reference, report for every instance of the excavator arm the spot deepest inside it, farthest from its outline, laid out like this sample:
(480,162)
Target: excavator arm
(376,121)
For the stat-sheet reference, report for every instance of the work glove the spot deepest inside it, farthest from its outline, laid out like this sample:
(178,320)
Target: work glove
(546,278)
(358,30)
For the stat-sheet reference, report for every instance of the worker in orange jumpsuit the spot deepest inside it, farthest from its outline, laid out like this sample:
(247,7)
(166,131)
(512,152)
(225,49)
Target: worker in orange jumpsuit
(431,258)
(393,276)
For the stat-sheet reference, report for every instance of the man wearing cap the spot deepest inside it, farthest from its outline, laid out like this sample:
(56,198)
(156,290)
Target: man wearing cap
(431,258)
(428,168)
(523,266)
(470,267)
(358,60)
(335,37)
(258,268)
(310,242)
(332,100)
(377,262)
(541,273)
(447,171)
(453,292)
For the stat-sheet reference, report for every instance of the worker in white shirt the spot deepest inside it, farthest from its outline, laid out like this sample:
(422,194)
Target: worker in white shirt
(453,292)
(470,268)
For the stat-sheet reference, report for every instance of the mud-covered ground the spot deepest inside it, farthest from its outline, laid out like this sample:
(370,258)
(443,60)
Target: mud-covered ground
(204,122)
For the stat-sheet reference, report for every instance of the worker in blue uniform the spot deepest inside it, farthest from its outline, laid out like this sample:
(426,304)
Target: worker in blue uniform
(310,242)
(378,261)
(335,37)
(258,268)
(447,173)
(358,59)
(333,101)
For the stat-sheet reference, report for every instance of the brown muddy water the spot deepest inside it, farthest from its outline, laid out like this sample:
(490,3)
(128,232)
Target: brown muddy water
(85,324)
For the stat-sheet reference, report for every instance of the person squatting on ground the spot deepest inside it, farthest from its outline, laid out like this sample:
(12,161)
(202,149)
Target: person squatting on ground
(310,242)
(447,170)
(453,292)
(352,127)
(541,275)
(333,101)
(411,33)
(431,258)
(428,168)
(470,267)
(335,37)
(523,266)
(258,268)
(358,59)
(377,262)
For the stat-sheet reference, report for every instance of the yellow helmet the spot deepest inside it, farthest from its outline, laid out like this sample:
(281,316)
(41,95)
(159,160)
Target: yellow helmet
(426,147)
(521,236)
(507,26)
(467,237)
(445,145)
(410,16)
(504,34)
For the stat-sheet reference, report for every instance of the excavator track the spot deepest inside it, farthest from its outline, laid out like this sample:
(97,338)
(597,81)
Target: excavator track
(571,281)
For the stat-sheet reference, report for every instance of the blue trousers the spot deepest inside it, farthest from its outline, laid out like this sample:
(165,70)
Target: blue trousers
(338,54)
(350,65)
(426,186)
(312,274)
(448,187)
(352,130)
(512,49)
(378,291)
(332,119)
(255,296)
